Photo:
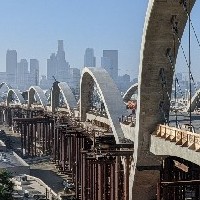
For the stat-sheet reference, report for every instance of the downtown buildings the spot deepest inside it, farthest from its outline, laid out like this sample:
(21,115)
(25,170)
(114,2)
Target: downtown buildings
(89,59)
(109,62)
(57,66)
(59,69)
(18,74)
(11,67)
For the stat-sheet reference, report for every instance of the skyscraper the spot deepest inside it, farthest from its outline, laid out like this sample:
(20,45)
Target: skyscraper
(34,71)
(11,67)
(62,65)
(23,82)
(51,68)
(57,65)
(89,59)
(109,62)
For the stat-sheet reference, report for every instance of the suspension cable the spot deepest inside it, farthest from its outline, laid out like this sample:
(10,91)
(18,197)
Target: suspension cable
(175,31)
(189,55)
(174,63)
(184,3)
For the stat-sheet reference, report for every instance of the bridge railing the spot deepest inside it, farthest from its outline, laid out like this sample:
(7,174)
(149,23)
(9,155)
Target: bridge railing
(179,137)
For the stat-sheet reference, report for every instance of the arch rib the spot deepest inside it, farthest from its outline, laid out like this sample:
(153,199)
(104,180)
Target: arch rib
(111,97)
(129,93)
(42,98)
(67,93)
(6,84)
(18,95)
(157,38)
(195,101)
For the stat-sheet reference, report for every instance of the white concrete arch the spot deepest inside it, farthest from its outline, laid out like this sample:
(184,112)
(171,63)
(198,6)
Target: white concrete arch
(111,97)
(67,93)
(157,39)
(129,93)
(6,84)
(17,94)
(41,96)
(195,101)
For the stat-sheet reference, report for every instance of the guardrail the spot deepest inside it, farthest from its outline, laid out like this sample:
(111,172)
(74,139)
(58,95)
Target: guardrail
(179,137)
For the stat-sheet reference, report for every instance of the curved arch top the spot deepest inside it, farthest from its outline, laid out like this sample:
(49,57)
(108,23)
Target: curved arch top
(6,84)
(111,97)
(31,93)
(67,93)
(129,93)
(18,95)
(153,102)
(195,101)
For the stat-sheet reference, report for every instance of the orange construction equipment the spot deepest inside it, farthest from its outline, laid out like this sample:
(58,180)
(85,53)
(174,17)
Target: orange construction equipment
(132,105)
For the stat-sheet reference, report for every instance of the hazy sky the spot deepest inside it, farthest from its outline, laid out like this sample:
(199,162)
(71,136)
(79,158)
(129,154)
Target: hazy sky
(32,27)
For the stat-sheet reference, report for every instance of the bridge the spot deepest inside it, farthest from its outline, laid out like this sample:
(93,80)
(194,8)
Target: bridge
(109,153)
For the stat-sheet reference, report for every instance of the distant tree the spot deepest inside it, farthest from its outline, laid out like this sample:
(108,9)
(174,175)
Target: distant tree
(6,186)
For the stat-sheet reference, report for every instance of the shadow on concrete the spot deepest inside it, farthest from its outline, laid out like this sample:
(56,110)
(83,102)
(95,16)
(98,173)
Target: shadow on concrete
(50,178)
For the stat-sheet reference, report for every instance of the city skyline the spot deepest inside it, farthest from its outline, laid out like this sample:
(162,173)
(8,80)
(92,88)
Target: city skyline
(33,31)
(52,55)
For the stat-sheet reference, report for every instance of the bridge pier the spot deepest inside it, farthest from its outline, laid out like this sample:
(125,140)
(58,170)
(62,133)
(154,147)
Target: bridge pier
(98,167)
(34,131)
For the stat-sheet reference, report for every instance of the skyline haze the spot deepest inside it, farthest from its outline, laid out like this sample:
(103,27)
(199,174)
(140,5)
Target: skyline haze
(32,29)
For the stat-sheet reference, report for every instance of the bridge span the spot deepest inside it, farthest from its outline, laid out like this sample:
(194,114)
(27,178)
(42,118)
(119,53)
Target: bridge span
(108,153)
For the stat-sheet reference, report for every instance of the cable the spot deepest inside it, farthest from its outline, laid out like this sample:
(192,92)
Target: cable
(184,3)
(189,55)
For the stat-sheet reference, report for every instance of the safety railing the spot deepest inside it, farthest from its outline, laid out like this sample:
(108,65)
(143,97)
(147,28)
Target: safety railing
(179,137)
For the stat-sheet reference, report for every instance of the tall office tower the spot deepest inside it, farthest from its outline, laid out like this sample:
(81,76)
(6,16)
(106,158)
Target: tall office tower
(89,59)
(34,72)
(109,62)
(62,65)
(23,82)
(60,45)
(57,66)
(51,68)
(11,67)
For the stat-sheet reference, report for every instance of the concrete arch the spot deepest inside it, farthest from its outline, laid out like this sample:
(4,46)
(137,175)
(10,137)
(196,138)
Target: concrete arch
(68,96)
(111,97)
(129,93)
(195,101)
(18,95)
(157,40)
(6,84)
(41,96)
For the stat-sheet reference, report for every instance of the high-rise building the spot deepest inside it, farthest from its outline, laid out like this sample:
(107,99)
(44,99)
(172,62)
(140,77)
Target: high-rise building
(89,59)
(51,68)
(23,82)
(62,65)
(34,72)
(109,62)
(11,67)
(57,66)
